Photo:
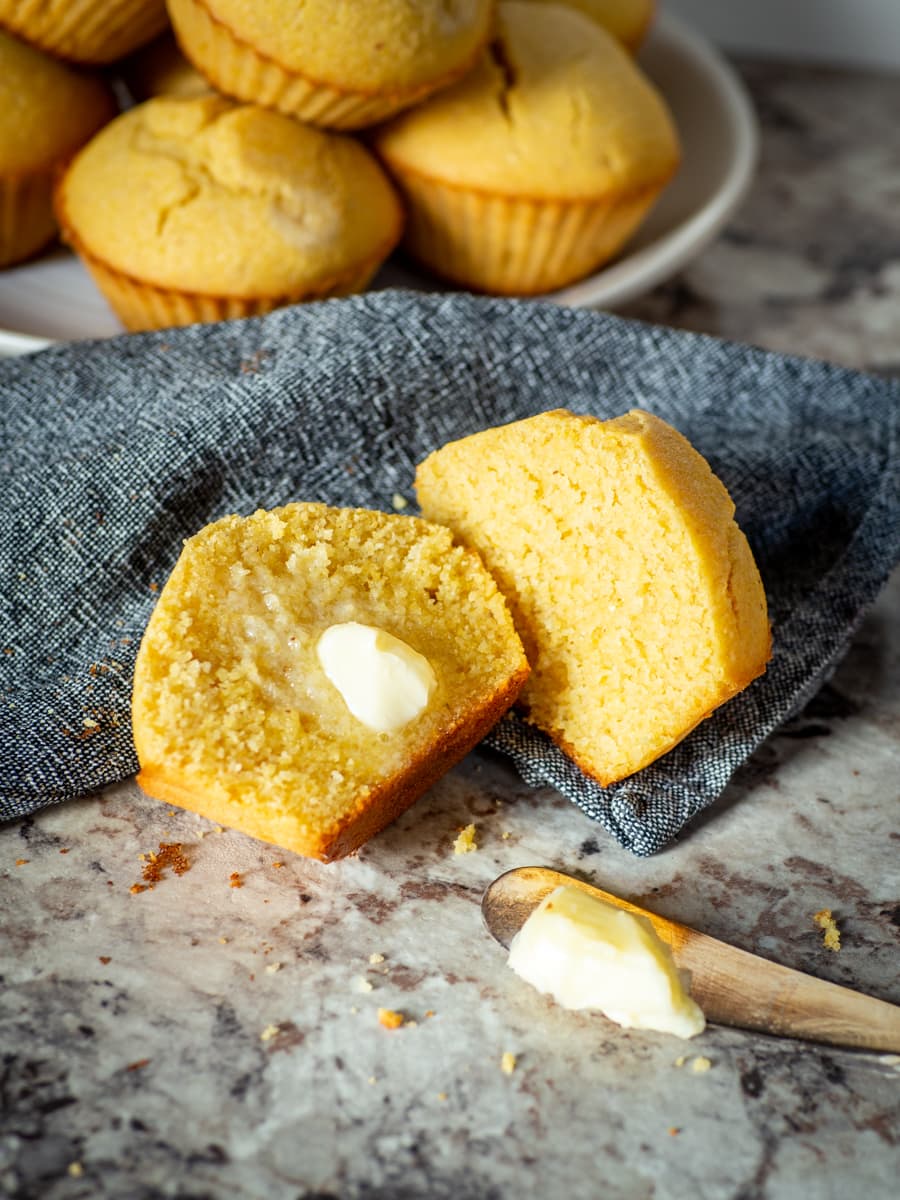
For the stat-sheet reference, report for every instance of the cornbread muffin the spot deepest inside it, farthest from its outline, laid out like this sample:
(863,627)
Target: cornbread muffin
(47,110)
(343,64)
(188,210)
(537,167)
(160,69)
(234,715)
(627,20)
(633,590)
(85,31)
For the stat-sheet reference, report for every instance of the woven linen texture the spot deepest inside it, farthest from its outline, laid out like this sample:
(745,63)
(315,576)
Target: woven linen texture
(113,452)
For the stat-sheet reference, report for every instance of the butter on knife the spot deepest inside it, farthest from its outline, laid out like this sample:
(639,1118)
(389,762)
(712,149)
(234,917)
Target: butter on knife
(589,954)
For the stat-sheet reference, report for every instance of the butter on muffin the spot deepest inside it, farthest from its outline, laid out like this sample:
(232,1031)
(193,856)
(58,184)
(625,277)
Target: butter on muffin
(627,20)
(537,167)
(189,210)
(308,672)
(47,111)
(343,64)
(85,31)
(634,591)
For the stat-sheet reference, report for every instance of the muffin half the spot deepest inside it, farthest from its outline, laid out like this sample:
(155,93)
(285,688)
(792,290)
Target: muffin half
(245,712)
(199,209)
(538,166)
(633,589)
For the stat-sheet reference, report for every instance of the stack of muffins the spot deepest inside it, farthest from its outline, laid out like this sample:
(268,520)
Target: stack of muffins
(514,146)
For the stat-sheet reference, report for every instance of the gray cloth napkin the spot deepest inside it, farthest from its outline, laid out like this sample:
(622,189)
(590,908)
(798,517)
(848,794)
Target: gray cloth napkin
(113,452)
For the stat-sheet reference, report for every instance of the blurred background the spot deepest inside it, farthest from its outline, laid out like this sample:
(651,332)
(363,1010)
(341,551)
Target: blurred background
(842,32)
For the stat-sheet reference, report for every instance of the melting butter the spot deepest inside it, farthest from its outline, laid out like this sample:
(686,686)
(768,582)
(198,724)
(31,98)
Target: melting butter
(587,953)
(383,681)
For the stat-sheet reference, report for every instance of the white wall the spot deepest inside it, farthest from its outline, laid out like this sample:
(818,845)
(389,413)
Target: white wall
(865,32)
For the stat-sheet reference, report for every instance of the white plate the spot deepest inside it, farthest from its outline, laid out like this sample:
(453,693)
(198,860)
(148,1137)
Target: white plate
(53,298)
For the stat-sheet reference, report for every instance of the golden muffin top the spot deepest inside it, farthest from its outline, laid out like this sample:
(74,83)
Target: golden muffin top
(47,109)
(225,199)
(556,108)
(361,44)
(626,20)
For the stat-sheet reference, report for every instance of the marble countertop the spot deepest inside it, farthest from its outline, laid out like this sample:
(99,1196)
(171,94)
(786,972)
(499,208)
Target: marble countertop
(202,1040)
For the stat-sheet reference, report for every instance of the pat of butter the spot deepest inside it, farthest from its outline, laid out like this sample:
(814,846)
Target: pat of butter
(383,682)
(589,954)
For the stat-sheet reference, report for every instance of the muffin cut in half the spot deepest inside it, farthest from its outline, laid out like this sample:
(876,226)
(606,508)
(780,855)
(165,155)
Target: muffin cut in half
(48,110)
(635,593)
(200,209)
(235,716)
(537,167)
(342,64)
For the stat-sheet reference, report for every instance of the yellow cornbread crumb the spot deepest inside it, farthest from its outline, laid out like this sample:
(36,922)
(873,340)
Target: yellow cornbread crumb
(465,842)
(508,1063)
(398,502)
(680,1060)
(268,1033)
(363,984)
(376,958)
(390,1019)
(700,1064)
(75,1169)
(273,967)
(827,923)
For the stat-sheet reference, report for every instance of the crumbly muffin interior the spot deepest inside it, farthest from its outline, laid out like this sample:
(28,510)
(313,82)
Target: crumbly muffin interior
(633,590)
(230,699)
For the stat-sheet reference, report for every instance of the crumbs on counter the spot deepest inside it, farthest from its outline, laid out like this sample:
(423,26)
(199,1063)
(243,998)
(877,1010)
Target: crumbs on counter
(374,959)
(277,865)
(272,967)
(169,857)
(508,1062)
(139,1065)
(680,1060)
(269,1032)
(465,842)
(104,958)
(701,1064)
(363,984)
(674,1131)
(390,1019)
(235,880)
(22,862)
(75,1169)
(398,502)
(827,923)
(64,850)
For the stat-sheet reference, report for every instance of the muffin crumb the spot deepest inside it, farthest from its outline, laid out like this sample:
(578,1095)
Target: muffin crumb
(390,1019)
(465,843)
(826,922)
